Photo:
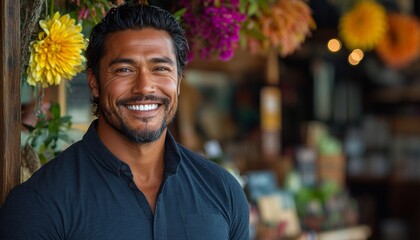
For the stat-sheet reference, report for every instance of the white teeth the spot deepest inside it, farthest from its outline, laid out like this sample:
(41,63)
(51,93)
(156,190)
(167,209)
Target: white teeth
(146,107)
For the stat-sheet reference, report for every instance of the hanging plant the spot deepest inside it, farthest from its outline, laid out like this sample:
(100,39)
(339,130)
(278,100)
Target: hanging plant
(44,139)
(49,129)
(212,27)
(282,25)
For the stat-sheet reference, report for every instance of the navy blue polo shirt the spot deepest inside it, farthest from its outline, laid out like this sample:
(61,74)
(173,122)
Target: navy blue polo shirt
(88,193)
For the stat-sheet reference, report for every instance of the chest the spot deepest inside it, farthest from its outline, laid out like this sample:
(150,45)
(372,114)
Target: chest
(122,211)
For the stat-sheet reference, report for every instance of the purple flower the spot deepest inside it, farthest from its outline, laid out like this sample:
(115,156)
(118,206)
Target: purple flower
(213,29)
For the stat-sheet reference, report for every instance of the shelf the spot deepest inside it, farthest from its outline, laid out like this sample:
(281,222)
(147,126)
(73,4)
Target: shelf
(365,178)
(397,94)
(352,233)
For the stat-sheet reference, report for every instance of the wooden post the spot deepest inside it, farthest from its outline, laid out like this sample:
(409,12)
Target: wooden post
(271,110)
(10,83)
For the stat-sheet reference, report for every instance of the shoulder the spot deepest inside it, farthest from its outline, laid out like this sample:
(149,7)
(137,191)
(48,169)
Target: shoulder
(57,174)
(28,212)
(63,161)
(197,162)
(221,185)
(210,172)
(36,205)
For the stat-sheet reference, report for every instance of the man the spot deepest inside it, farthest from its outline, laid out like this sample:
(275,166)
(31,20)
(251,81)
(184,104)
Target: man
(127,178)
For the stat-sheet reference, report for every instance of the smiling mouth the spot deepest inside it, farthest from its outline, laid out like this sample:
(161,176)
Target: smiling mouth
(143,107)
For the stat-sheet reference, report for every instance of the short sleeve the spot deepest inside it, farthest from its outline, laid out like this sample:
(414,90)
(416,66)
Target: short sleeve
(27,215)
(239,226)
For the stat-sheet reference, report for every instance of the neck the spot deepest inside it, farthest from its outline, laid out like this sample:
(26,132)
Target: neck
(145,159)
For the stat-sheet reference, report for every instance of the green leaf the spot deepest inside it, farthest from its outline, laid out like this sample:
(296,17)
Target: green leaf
(53,127)
(64,137)
(41,148)
(28,127)
(55,110)
(42,158)
(243,6)
(45,134)
(242,40)
(65,119)
(179,14)
(256,34)
(41,122)
(265,6)
(252,10)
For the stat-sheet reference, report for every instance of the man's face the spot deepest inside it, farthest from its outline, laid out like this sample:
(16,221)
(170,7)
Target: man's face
(139,85)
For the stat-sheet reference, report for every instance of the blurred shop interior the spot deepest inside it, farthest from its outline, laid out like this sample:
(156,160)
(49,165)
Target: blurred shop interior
(321,144)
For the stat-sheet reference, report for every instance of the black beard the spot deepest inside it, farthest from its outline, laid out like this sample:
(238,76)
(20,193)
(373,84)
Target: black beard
(135,136)
(145,136)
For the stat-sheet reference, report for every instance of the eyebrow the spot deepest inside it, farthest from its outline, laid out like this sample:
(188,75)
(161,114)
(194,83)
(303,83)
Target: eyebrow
(152,60)
(121,60)
(161,60)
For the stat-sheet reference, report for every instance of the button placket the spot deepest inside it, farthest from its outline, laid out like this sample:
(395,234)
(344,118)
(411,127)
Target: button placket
(125,170)
(123,167)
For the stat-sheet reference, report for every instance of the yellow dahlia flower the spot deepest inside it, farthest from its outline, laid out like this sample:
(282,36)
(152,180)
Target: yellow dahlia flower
(57,53)
(364,25)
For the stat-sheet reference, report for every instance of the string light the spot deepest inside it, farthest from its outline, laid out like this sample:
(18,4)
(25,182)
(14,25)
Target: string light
(334,45)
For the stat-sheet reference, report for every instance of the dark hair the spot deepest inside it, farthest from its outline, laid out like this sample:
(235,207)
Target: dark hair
(134,16)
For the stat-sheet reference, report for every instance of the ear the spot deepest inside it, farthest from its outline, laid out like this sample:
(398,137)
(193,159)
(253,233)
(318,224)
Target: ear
(92,81)
(178,90)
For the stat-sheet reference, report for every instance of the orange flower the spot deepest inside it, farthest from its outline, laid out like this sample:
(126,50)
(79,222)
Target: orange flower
(401,45)
(284,26)
(289,23)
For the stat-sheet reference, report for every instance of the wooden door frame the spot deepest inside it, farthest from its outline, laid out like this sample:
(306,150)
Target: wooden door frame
(10,110)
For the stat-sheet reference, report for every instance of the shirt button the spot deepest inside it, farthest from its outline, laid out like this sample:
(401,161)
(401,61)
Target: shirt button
(123,167)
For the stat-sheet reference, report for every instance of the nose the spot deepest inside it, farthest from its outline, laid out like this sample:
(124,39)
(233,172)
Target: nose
(143,83)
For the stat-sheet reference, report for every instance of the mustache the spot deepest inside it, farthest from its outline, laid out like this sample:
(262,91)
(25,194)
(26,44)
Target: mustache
(138,98)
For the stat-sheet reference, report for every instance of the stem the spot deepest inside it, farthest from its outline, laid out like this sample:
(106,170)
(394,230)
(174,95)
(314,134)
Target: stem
(40,93)
(52,7)
(46,8)
(26,32)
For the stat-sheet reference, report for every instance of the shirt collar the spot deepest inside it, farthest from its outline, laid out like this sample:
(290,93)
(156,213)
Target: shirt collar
(97,149)
(172,154)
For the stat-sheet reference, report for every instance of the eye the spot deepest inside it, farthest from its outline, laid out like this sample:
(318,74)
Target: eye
(162,69)
(123,70)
